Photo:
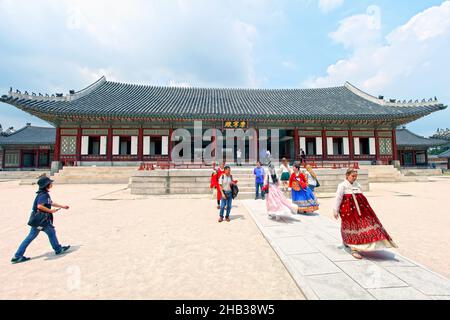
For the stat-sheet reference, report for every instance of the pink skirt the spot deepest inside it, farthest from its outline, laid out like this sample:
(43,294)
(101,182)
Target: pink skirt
(277,203)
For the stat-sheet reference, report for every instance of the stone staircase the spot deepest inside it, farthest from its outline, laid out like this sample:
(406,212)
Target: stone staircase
(94,175)
(197,181)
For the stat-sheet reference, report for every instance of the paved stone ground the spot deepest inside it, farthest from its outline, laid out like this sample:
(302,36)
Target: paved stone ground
(310,246)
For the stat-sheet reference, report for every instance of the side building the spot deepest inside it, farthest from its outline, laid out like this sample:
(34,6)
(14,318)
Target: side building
(413,149)
(111,123)
(28,148)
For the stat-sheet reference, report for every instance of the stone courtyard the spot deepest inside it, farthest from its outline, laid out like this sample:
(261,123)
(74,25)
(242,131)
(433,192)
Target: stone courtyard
(166,247)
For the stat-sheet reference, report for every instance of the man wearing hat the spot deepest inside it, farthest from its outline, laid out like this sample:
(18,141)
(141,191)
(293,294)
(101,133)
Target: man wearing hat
(43,203)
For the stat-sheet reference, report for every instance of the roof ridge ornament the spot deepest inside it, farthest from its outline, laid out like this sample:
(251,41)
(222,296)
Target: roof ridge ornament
(390,102)
(58,96)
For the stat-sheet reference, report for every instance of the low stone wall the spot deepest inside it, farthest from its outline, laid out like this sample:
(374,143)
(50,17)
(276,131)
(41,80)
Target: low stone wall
(17,175)
(421,172)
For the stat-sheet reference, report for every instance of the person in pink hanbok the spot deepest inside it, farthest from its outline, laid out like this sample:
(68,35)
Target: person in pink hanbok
(276,203)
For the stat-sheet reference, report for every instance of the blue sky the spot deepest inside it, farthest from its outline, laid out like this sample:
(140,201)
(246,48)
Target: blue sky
(398,49)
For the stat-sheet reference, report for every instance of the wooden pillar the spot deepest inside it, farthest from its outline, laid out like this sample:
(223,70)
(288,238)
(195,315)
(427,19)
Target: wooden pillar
(36,165)
(324,145)
(78,153)
(214,146)
(57,150)
(377,146)
(414,157)
(257,144)
(170,144)
(109,142)
(394,145)
(141,144)
(296,144)
(351,148)
(20,158)
(2,163)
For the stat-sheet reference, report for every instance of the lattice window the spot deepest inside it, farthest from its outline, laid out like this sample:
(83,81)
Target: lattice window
(12,159)
(69,145)
(385,146)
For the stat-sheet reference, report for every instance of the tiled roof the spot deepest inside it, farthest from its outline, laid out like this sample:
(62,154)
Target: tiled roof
(113,99)
(30,135)
(407,138)
(445,154)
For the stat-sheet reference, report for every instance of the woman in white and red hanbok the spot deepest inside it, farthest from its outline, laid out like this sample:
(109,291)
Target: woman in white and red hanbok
(276,203)
(360,228)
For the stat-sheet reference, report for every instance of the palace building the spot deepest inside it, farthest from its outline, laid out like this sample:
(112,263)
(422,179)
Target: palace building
(111,123)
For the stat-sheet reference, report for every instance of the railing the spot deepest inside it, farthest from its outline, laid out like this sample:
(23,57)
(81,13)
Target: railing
(333,165)
(69,162)
(164,165)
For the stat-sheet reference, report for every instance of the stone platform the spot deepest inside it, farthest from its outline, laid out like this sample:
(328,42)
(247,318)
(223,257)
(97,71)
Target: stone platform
(311,249)
(197,181)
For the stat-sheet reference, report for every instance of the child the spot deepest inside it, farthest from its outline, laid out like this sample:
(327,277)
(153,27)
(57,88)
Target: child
(42,203)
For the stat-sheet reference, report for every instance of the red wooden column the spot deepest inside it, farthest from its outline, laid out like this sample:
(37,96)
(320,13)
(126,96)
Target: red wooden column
(296,144)
(20,158)
(214,146)
(351,147)
(78,153)
(57,150)
(36,165)
(257,144)
(141,144)
(377,146)
(3,159)
(170,144)
(324,145)
(109,142)
(394,145)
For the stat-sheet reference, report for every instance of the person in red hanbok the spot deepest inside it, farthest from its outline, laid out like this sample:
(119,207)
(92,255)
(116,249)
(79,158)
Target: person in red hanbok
(215,182)
(360,228)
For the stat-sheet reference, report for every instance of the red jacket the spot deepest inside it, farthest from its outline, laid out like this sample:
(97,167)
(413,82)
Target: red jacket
(299,179)
(215,178)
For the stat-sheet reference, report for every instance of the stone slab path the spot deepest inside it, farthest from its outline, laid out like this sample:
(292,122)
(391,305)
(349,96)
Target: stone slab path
(310,247)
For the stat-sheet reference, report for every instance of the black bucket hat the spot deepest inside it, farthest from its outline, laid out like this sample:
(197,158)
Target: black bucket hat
(44,182)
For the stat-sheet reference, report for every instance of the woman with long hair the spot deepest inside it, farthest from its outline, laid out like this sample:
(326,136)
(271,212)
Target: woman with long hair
(360,228)
(312,178)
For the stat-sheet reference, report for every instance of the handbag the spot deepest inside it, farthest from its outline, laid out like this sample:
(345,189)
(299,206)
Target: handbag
(38,219)
(317,183)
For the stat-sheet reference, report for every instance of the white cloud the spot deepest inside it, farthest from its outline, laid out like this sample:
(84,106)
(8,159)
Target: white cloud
(376,63)
(200,42)
(402,63)
(329,5)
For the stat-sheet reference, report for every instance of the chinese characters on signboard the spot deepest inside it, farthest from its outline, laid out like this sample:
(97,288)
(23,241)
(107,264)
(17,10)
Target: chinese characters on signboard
(235,124)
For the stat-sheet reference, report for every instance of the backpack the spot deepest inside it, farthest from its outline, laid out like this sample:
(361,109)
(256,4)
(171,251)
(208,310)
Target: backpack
(234,189)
